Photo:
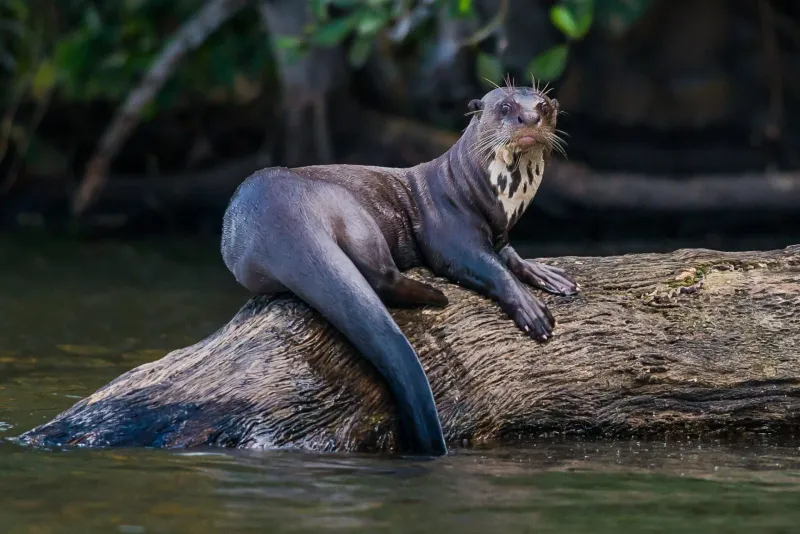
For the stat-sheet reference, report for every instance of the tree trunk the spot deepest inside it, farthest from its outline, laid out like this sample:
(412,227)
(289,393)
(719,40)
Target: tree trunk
(691,343)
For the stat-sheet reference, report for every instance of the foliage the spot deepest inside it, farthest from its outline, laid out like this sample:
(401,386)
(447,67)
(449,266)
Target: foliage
(361,21)
(97,50)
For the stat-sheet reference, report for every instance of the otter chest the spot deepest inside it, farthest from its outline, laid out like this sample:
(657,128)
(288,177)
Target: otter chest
(515,179)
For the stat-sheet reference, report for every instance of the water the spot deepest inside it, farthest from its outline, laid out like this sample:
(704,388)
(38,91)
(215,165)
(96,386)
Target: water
(74,317)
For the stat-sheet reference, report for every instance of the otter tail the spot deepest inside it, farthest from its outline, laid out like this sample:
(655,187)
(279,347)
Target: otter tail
(324,277)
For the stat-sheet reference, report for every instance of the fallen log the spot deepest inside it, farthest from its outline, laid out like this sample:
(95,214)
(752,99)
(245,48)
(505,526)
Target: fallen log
(692,343)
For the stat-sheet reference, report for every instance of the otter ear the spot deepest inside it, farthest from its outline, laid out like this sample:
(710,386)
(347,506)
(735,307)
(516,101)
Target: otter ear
(554,103)
(475,104)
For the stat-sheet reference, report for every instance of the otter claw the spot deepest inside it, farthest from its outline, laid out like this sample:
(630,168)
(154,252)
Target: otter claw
(548,278)
(532,316)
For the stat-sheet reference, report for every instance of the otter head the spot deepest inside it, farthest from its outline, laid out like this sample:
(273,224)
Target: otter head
(513,134)
(516,120)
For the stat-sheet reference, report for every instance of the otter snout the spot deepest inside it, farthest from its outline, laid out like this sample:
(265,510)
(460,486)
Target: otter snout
(530,118)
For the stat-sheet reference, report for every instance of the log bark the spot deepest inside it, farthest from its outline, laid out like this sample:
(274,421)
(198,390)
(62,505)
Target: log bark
(695,343)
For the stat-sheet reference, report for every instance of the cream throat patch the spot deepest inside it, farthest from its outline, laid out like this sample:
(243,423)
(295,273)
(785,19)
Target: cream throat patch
(515,178)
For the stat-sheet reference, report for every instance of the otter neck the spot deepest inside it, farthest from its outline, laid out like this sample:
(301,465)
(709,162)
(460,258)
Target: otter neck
(501,185)
(515,178)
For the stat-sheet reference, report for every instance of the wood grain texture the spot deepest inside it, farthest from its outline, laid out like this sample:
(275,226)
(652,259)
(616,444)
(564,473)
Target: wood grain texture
(691,343)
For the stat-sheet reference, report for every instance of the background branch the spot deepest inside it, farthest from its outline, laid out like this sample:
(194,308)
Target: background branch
(188,37)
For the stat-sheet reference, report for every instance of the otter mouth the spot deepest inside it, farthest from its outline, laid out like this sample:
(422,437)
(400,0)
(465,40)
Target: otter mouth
(528,138)
(526,141)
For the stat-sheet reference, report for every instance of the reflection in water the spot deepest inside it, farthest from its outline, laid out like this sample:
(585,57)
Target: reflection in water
(72,319)
(568,487)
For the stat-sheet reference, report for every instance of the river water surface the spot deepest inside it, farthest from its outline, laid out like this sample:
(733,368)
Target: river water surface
(73,317)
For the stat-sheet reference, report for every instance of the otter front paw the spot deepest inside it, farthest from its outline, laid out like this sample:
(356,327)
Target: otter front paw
(547,278)
(532,316)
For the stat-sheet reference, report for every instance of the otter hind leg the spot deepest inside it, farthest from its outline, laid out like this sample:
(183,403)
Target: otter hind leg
(367,249)
(404,292)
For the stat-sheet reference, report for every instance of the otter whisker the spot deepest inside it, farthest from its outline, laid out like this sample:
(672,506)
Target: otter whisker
(560,149)
(488,141)
(496,135)
(553,138)
(491,147)
(556,143)
(509,84)
(485,151)
(491,82)
(492,142)
(485,143)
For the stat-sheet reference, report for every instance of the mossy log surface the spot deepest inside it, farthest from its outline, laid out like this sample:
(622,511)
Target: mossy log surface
(692,343)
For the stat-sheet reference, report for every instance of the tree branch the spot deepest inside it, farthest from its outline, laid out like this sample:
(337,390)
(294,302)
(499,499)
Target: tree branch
(188,37)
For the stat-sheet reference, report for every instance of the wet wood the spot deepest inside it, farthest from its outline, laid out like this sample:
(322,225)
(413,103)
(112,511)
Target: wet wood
(693,343)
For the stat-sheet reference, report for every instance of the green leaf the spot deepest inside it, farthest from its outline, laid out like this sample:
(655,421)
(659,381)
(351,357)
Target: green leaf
(371,22)
(335,31)
(287,42)
(460,8)
(44,79)
(489,68)
(359,52)
(71,53)
(584,20)
(550,65)
(320,9)
(574,19)
(562,18)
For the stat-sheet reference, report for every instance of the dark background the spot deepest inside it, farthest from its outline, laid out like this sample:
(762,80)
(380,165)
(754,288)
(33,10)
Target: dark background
(681,115)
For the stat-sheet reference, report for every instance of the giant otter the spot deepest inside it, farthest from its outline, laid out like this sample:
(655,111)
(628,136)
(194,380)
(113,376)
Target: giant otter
(339,236)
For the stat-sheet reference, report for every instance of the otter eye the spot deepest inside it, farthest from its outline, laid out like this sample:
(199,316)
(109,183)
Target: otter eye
(505,109)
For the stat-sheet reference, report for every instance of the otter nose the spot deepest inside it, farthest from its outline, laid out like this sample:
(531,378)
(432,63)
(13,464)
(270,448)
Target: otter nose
(530,118)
